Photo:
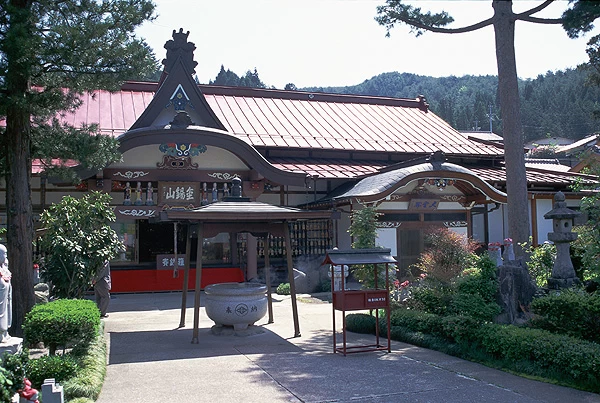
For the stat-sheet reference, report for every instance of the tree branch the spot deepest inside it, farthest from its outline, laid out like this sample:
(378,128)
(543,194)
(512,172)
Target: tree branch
(461,30)
(535,9)
(541,20)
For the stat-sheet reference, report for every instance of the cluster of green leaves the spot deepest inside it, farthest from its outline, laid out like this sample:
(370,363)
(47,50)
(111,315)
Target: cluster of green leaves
(62,323)
(59,367)
(571,312)
(78,241)
(284,289)
(586,248)
(471,294)
(12,372)
(363,229)
(361,323)
(541,261)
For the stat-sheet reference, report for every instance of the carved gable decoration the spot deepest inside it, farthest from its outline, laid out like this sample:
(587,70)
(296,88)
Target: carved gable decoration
(178,102)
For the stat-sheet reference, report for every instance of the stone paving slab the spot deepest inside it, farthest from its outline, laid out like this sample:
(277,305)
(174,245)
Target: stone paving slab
(150,360)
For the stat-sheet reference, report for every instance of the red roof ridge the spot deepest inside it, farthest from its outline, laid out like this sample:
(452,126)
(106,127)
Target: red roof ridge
(419,102)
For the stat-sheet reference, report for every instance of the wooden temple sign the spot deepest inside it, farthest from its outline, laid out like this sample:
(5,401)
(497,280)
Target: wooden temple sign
(424,204)
(179,193)
(167,262)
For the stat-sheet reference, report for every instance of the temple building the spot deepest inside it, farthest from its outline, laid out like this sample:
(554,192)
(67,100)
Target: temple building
(187,148)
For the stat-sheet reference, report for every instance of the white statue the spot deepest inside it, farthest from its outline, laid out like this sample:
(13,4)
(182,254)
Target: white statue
(5,296)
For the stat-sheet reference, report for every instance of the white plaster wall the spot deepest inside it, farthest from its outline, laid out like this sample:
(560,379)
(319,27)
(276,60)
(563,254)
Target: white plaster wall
(543,225)
(386,238)
(497,226)
(148,156)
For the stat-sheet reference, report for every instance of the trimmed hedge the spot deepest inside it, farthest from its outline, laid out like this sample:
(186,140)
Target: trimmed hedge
(361,323)
(59,367)
(574,313)
(533,351)
(61,323)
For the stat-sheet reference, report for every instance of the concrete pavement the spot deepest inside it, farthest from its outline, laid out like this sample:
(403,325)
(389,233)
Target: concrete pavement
(150,360)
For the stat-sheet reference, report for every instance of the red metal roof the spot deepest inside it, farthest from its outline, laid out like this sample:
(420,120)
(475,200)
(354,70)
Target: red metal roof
(294,119)
(328,168)
(540,177)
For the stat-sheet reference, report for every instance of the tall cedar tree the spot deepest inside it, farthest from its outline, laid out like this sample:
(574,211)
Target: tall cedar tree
(580,18)
(50,52)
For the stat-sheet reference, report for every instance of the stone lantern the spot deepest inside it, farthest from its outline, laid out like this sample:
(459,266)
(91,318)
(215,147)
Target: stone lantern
(563,273)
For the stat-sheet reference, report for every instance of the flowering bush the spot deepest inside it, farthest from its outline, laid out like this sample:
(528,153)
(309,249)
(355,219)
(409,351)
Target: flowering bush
(446,256)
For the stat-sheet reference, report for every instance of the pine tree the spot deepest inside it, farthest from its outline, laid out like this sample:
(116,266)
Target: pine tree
(503,21)
(50,52)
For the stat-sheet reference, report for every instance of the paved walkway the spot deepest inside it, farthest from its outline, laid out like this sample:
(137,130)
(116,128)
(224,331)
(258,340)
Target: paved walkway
(152,361)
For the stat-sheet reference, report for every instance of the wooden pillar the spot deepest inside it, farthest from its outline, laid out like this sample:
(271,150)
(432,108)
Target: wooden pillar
(534,222)
(251,257)
(186,274)
(290,267)
(198,283)
(268,278)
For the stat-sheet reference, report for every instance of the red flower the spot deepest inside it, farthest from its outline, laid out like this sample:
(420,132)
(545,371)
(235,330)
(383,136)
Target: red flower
(396,283)
(405,284)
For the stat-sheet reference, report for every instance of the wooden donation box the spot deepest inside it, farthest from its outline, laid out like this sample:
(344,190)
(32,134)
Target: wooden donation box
(376,299)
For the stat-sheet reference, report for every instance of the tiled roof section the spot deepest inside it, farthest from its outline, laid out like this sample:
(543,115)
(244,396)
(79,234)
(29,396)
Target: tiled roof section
(330,168)
(552,165)
(337,122)
(579,145)
(294,119)
(533,176)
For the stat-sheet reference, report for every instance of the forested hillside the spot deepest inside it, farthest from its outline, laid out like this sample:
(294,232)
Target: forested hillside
(557,104)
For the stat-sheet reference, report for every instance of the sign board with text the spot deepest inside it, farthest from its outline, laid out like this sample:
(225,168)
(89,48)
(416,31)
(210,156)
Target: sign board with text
(179,193)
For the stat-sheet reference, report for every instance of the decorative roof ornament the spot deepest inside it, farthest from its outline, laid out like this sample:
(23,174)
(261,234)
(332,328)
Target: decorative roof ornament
(181,120)
(180,47)
(437,159)
(179,99)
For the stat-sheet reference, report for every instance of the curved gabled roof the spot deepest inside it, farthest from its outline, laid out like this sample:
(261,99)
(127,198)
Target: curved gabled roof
(211,137)
(378,187)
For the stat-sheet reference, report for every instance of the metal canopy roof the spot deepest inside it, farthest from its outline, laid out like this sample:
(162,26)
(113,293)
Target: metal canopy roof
(358,256)
(243,211)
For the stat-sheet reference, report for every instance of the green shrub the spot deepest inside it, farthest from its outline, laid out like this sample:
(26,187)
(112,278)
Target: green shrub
(576,359)
(574,313)
(541,261)
(7,389)
(14,371)
(417,321)
(284,289)
(474,306)
(59,367)
(431,297)
(361,323)
(460,328)
(61,323)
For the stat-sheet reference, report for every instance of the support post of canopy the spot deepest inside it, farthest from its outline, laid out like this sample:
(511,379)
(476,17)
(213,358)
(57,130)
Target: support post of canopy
(268,278)
(198,282)
(186,275)
(290,267)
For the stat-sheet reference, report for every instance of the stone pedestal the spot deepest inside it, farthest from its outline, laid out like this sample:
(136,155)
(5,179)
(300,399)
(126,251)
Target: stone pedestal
(11,346)
(516,291)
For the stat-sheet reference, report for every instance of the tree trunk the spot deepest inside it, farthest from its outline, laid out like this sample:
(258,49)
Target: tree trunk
(514,156)
(18,156)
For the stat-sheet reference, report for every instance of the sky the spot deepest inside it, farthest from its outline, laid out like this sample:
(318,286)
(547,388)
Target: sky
(338,42)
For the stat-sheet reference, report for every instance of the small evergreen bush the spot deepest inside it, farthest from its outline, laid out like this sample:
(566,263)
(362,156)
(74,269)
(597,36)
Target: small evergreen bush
(61,323)
(12,372)
(284,289)
(574,313)
(7,389)
(360,323)
(59,367)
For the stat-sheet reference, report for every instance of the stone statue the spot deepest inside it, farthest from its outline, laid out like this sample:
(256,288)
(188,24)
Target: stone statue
(5,296)
(127,195)
(215,193)
(138,194)
(149,197)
